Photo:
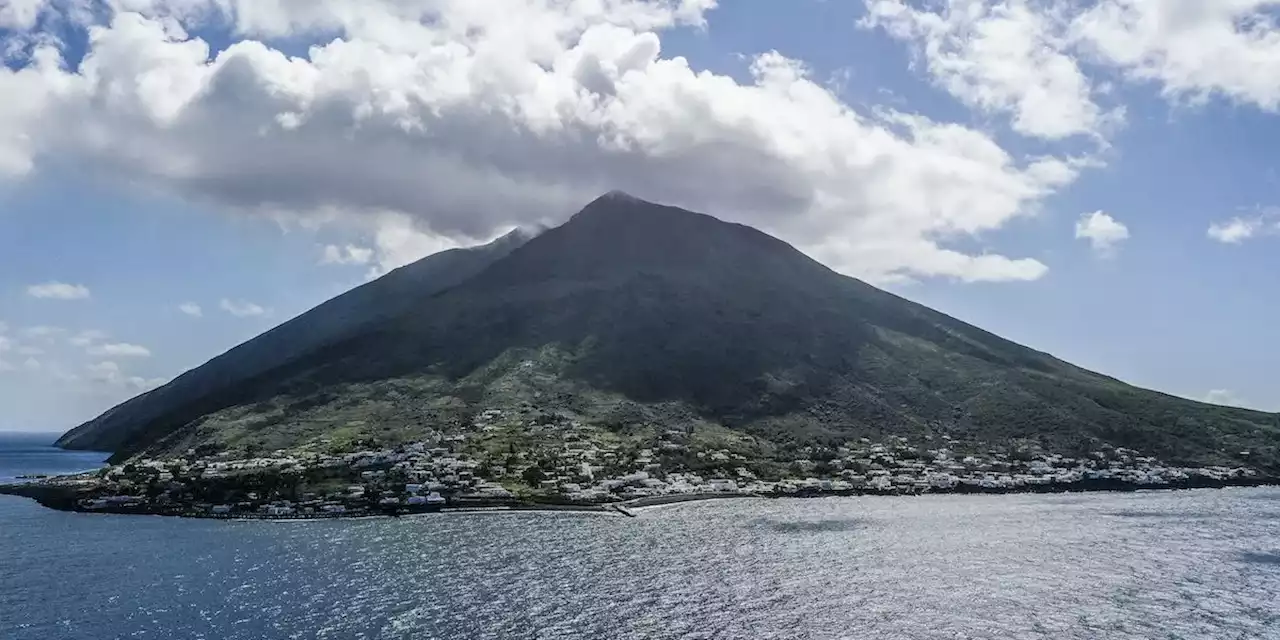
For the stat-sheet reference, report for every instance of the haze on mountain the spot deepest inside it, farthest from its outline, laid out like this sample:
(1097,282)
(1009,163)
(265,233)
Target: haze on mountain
(631,314)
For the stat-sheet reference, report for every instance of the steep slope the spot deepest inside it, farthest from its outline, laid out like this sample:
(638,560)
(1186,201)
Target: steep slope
(676,306)
(329,322)
(634,312)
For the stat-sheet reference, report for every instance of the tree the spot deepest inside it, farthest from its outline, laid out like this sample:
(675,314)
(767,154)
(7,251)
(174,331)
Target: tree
(533,476)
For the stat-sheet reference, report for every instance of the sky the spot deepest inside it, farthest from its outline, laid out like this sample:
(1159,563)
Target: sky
(1099,180)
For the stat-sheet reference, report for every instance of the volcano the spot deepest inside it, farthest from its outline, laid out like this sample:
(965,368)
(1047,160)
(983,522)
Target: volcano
(634,313)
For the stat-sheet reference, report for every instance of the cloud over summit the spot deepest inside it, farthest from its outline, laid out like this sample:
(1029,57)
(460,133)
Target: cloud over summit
(474,116)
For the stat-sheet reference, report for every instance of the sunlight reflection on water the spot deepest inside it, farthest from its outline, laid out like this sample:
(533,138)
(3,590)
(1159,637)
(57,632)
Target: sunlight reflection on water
(1195,564)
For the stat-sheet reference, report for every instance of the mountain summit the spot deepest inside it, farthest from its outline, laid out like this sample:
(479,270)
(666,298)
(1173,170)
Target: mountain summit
(635,316)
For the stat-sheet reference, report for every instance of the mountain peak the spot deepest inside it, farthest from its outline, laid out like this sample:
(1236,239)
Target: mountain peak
(635,313)
(618,236)
(612,200)
(515,237)
(618,194)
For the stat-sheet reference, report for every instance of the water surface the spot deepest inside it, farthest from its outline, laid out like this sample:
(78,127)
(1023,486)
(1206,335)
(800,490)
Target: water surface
(34,454)
(1192,564)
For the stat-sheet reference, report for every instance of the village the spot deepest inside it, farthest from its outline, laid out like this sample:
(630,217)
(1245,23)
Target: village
(568,465)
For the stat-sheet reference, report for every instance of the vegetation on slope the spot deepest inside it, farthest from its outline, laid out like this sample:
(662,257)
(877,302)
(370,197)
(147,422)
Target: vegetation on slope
(637,314)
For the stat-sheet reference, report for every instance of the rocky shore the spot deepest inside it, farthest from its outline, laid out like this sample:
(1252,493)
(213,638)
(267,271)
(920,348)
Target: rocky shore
(576,469)
(67,494)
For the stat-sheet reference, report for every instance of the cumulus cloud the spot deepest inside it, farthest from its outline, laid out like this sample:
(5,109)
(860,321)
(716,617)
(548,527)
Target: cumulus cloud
(1101,230)
(1234,231)
(1238,229)
(400,242)
(241,308)
(192,309)
(446,121)
(20,15)
(120,349)
(1191,48)
(348,254)
(110,373)
(1027,58)
(58,291)
(1001,57)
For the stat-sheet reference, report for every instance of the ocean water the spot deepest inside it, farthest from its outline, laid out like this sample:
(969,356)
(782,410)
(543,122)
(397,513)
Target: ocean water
(34,454)
(1192,565)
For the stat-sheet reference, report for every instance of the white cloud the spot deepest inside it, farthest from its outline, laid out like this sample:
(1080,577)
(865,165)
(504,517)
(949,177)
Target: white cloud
(1234,231)
(5,344)
(120,349)
(192,309)
(470,116)
(1192,48)
(1239,229)
(87,337)
(31,364)
(1101,230)
(58,291)
(1028,57)
(110,373)
(20,15)
(29,351)
(241,308)
(1004,57)
(1225,397)
(349,254)
(400,242)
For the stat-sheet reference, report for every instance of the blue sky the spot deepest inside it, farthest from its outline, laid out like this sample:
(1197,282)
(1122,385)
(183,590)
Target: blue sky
(951,152)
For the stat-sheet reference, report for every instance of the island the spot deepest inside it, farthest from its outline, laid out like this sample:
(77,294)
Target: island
(567,465)
(636,353)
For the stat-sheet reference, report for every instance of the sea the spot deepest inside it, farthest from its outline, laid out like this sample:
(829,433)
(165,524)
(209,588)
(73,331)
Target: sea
(27,454)
(1146,565)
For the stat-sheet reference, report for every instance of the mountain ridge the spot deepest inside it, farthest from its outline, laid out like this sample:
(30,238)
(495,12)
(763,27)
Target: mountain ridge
(328,321)
(667,312)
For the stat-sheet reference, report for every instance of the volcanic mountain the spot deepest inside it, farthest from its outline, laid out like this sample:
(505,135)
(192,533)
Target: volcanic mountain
(633,314)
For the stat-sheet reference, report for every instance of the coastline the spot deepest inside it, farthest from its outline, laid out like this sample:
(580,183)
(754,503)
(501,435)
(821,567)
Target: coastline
(65,498)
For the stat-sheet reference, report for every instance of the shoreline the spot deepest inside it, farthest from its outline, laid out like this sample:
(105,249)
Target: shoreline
(66,499)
